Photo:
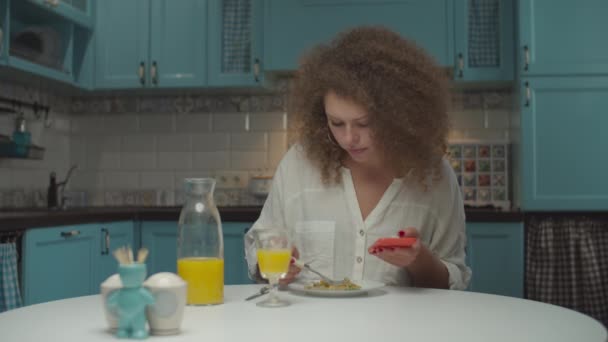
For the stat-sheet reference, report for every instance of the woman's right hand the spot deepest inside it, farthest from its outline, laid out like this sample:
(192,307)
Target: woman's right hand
(293,269)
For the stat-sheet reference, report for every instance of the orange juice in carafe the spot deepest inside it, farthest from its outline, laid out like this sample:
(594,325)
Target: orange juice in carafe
(205,278)
(200,245)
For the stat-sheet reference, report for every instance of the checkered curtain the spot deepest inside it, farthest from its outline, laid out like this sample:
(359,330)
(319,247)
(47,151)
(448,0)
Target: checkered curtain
(236,36)
(10,295)
(484,33)
(567,263)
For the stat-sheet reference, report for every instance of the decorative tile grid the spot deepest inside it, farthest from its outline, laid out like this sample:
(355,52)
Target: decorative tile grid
(483,173)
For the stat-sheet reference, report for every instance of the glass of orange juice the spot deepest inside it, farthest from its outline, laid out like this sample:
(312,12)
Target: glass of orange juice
(274,254)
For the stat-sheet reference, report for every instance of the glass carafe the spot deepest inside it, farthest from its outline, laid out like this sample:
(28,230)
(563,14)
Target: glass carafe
(200,245)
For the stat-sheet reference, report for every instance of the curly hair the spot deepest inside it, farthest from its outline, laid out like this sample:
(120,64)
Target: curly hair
(401,87)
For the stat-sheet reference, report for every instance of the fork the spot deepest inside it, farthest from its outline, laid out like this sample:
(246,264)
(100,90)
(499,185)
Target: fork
(302,265)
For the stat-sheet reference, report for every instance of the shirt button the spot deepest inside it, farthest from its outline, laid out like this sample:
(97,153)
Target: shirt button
(361,232)
(359,260)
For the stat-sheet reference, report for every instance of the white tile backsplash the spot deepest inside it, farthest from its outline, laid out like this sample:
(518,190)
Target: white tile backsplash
(156,123)
(121,180)
(211,142)
(138,161)
(247,160)
(32,179)
(266,121)
(121,123)
(126,143)
(174,161)
(192,123)
(86,180)
(277,145)
(90,124)
(229,122)
(6,179)
(248,142)
(177,142)
(138,143)
(157,180)
(103,161)
(211,160)
(103,144)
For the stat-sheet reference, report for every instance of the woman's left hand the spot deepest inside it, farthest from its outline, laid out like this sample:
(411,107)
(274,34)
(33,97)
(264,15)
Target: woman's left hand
(401,257)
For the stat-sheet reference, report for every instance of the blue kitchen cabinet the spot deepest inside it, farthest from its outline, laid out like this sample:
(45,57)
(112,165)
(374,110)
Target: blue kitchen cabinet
(70,261)
(112,236)
(151,43)
(121,36)
(484,37)
(235,265)
(160,237)
(558,37)
(60,262)
(563,123)
(55,59)
(235,42)
(293,26)
(77,11)
(495,254)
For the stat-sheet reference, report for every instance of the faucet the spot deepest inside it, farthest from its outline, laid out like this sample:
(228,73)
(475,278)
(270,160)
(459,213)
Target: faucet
(61,187)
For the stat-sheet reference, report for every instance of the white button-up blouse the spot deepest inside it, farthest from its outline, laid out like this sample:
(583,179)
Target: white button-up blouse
(330,233)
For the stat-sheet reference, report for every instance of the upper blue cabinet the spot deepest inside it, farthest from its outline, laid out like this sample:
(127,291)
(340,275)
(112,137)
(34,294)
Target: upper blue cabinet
(484,38)
(293,26)
(563,121)
(563,37)
(78,11)
(151,43)
(235,42)
(37,37)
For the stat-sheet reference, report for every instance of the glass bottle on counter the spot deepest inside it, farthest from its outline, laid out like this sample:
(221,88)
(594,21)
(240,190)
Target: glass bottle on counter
(200,245)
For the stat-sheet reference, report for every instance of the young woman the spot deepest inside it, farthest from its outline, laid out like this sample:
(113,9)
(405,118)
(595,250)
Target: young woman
(370,112)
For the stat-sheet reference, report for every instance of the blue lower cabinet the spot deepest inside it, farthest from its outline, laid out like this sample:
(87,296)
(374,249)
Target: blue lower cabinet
(60,263)
(235,266)
(160,237)
(113,235)
(70,261)
(495,253)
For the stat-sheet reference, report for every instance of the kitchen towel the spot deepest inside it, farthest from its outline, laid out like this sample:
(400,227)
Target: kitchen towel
(484,33)
(236,36)
(10,295)
(567,262)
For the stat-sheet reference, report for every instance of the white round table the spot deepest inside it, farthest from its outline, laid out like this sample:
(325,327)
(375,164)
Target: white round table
(399,314)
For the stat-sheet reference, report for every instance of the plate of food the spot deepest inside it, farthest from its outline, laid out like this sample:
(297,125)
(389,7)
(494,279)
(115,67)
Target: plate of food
(346,288)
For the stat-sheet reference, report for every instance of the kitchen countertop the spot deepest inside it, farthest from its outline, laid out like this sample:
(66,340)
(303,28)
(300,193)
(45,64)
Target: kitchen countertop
(20,219)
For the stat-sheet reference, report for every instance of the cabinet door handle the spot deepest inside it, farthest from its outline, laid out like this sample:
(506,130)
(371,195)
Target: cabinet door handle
(460,65)
(256,70)
(528,94)
(526,57)
(106,240)
(154,73)
(71,233)
(141,72)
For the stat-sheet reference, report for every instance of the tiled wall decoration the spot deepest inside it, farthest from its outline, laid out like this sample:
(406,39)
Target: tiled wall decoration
(482,171)
(137,149)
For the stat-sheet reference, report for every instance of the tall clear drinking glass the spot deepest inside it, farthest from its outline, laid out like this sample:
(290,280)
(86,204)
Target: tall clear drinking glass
(274,254)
